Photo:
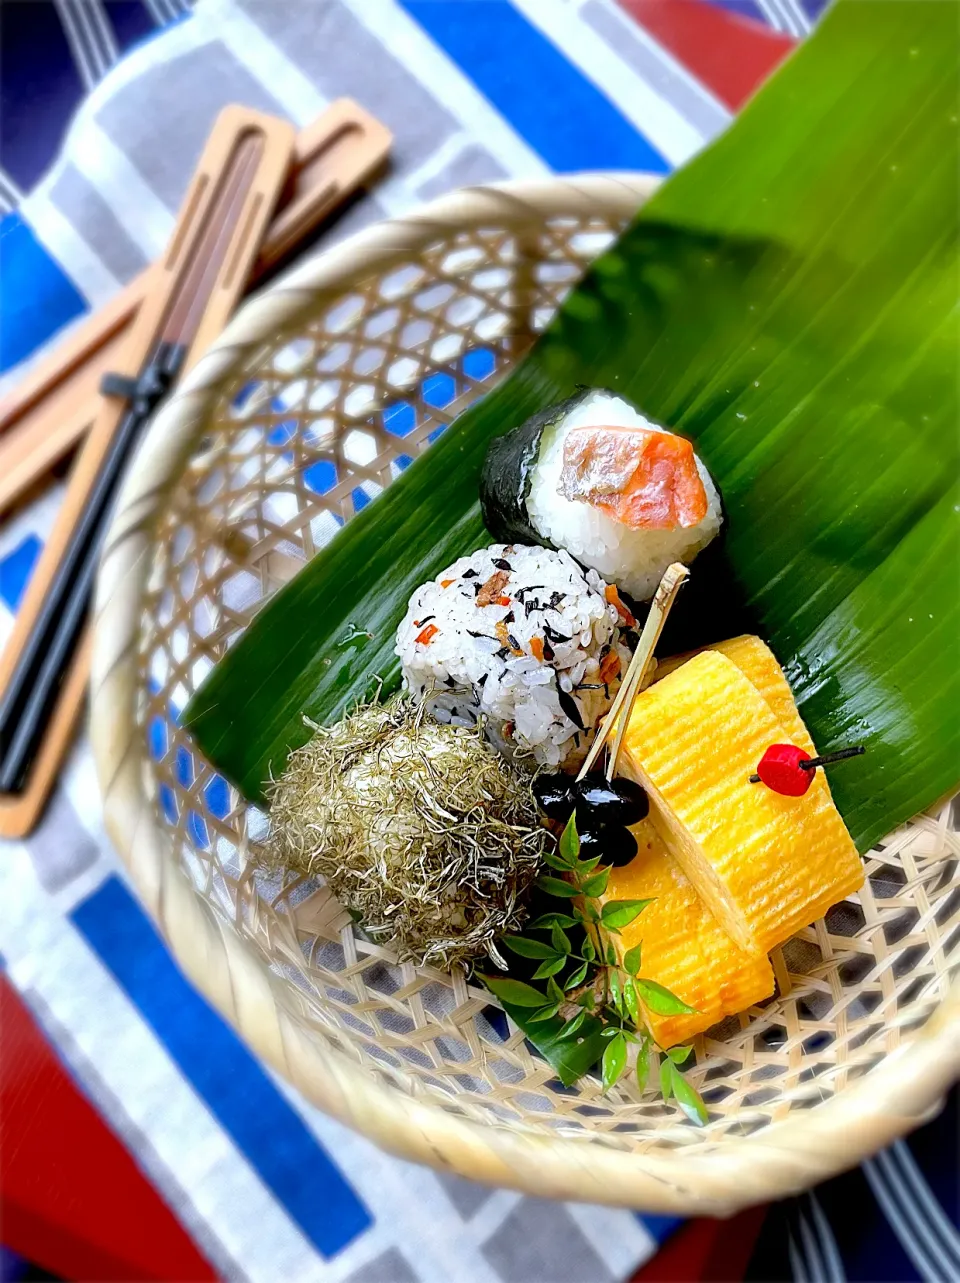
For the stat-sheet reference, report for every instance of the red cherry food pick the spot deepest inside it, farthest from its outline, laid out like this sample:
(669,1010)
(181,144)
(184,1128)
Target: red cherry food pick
(789,770)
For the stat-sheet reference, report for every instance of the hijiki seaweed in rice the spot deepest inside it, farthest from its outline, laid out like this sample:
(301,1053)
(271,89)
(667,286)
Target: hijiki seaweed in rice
(424,830)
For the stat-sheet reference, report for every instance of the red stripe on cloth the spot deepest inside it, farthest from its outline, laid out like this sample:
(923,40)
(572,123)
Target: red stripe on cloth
(706,1251)
(731,55)
(72,1199)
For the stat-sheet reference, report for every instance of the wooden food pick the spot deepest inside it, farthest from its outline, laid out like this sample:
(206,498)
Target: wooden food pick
(53,408)
(191,293)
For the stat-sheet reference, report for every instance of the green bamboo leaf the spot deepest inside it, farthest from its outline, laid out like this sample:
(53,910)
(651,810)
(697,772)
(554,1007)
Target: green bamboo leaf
(631,959)
(513,991)
(679,1054)
(666,1078)
(556,886)
(549,968)
(545,1013)
(614,1061)
(551,920)
(620,913)
(782,303)
(688,1098)
(578,976)
(560,940)
(570,841)
(660,999)
(596,885)
(527,948)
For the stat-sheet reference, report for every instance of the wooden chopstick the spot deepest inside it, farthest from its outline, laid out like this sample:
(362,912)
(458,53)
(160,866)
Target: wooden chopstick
(54,406)
(195,287)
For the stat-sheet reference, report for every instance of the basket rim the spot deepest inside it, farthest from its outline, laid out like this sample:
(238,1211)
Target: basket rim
(786,1156)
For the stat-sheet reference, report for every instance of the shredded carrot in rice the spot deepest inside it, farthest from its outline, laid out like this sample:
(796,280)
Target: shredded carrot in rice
(613,597)
(445,583)
(609,667)
(536,649)
(427,636)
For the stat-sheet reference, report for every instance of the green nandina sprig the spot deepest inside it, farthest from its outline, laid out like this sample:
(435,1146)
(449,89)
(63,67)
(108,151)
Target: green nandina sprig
(595,979)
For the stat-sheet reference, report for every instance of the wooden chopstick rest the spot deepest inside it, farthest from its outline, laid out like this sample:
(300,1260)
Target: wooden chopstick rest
(191,293)
(51,410)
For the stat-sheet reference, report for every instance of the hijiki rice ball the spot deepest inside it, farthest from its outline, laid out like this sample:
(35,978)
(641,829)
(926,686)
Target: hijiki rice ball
(524,638)
(591,475)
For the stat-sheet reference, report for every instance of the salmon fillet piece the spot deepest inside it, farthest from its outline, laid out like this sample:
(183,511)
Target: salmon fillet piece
(639,477)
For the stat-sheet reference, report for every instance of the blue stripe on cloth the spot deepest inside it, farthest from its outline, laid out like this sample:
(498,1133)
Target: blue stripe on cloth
(264,1127)
(37,298)
(40,88)
(16,568)
(547,100)
(660,1227)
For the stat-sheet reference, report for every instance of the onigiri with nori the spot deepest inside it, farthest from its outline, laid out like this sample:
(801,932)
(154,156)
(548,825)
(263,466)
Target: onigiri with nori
(593,476)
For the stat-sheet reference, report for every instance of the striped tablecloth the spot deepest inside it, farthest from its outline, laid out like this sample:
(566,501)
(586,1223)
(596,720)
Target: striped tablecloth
(474,90)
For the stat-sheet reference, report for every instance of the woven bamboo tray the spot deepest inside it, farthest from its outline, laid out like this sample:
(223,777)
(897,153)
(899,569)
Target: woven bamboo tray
(319,393)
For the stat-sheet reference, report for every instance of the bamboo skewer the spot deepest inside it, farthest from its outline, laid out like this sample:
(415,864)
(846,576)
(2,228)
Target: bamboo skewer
(638,671)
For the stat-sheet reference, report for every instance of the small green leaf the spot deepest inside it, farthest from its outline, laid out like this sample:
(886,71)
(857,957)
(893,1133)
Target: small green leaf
(679,1054)
(550,968)
(661,1000)
(666,1079)
(588,951)
(551,920)
(556,886)
(572,1025)
(614,1060)
(688,1098)
(556,861)
(609,1031)
(615,989)
(620,913)
(611,955)
(561,941)
(593,913)
(570,841)
(527,948)
(643,1067)
(578,977)
(554,991)
(630,999)
(587,1000)
(513,991)
(631,960)
(596,885)
(584,866)
(545,1012)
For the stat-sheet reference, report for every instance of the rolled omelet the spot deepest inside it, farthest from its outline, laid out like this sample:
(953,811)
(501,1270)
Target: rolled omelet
(683,945)
(765,865)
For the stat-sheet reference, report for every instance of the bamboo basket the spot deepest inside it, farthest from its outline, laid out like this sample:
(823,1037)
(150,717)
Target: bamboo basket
(319,393)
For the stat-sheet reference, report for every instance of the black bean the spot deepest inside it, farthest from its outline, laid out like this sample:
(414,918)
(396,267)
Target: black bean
(470,574)
(554,795)
(501,564)
(508,618)
(513,642)
(615,802)
(617,846)
(554,635)
(548,651)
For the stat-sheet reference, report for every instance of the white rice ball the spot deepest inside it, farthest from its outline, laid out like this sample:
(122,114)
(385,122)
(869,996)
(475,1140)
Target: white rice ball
(523,637)
(633,559)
